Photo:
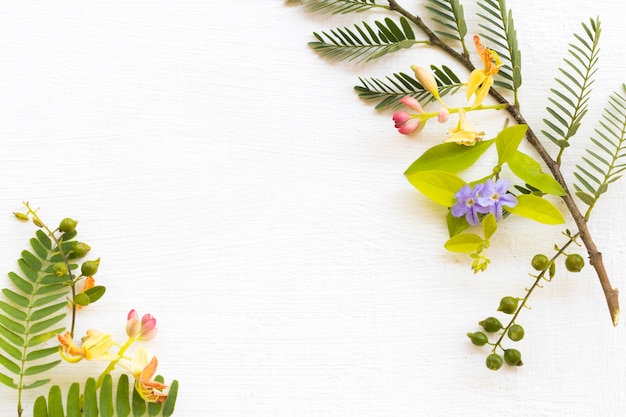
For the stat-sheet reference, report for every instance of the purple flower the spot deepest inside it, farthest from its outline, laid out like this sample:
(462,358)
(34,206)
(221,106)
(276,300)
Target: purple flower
(467,204)
(493,195)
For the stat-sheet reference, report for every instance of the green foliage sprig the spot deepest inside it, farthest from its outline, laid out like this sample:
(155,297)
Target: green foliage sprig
(54,282)
(475,206)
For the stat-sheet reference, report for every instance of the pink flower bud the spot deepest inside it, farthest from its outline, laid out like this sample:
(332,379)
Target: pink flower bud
(412,103)
(443,115)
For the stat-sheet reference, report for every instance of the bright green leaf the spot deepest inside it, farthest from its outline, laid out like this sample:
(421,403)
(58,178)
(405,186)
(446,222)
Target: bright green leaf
(95,293)
(508,140)
(74,401)
(106,397)
(489,225)
(586,198)
(55,401)
(450,157)
(18,299)
(43,337)
(465,243)
(40,409)
(536,208)
(37,369)
(16,313)
(37,384)
(529,170)
(170,402)
(456,224)
(8,381)
(44,239)
(41,353)
(90,402)
(122,401)
(21,283)
(138,404)
(439,186)
(9,365)
(44,324)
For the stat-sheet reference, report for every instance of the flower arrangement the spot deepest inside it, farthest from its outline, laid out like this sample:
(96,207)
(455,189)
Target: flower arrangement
(36,335)
(517,184)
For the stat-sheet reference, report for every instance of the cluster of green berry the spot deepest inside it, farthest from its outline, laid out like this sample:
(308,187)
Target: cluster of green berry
(512,306)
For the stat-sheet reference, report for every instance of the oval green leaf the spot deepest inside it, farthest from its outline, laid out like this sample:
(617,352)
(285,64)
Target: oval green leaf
(449,157)
(536,208)
(490,225)
(464,243)
(529,170)
(508,140)
(439,186)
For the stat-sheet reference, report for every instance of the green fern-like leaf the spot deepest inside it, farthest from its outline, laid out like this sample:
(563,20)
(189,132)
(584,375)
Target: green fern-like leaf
(388,92)
(29,315)
(364,42)
(603,160)
(568,102)
(449,15)
(499,30)
(340,6)
(104,401)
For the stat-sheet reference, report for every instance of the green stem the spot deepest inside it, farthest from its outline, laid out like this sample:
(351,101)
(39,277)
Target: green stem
(113,364)
(530,290)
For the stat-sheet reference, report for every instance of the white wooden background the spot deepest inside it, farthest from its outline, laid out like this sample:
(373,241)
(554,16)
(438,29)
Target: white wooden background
(236,188)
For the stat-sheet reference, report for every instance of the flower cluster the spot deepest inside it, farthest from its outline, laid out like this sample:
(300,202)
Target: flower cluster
(483,198)
(96,345)
(479,83)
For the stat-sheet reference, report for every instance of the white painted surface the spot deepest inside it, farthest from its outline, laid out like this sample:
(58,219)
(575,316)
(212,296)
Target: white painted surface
(237,189)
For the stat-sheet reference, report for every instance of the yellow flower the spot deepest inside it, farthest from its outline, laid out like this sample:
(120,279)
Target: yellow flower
(464,133)
(143,370)
(95,346)
(481,80)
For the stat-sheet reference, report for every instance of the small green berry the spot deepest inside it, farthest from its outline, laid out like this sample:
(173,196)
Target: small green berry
(67,225)
(513,357)
(516,333)
(89,268)
(80,249)
(540,262)
(60,269)
(491,324)
(478,338)
(508,305)
(574,262)
(494,361)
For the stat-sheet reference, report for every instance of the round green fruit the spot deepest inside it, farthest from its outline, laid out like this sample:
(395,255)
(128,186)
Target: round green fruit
(574,262)
(540,262)
(494,362)
(60,269)
(508,305)
(80,249)
(513,357)
(478,338)
(67,225)
(89,268)
(516,333)
(491,324)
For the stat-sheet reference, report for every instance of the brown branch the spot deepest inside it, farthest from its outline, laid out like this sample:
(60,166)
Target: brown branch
(595,256)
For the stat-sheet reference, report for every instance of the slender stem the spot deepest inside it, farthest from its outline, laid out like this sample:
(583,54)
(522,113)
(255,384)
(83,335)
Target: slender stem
(114,362)
(530,290)
(595,256)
